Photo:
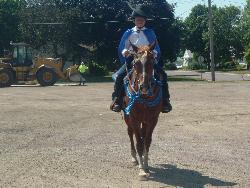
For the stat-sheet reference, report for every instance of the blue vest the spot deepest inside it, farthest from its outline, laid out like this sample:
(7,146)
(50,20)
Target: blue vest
(149,33)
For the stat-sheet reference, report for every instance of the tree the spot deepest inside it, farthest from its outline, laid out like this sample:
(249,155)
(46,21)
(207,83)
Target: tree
(246,22)
(196,25)
(101,37)
(228,38)
(246,25)
(229,41)
(38,35)
(247,56)
(9,21)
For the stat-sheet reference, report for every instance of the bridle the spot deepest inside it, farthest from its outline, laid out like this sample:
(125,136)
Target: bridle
(134,62)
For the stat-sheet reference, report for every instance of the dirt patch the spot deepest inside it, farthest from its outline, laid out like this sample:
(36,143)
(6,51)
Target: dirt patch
(65,136)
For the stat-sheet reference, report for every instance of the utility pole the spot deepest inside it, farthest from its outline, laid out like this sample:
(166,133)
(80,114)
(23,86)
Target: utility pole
(211,34)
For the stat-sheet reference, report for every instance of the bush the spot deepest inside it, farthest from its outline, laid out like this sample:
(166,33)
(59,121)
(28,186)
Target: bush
(229,65)
(97,70)
(170,66)
(247,56)
(196,66)
(240,67)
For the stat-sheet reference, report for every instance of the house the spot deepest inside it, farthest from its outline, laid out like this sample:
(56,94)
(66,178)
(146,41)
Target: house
(187,58)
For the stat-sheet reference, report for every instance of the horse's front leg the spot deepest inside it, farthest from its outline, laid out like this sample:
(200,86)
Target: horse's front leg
(145,151)
(147,142)
(133,151)
(139,148)
(145,159)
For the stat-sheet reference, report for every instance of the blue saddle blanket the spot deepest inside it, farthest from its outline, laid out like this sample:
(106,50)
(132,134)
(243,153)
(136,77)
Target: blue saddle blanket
(136,97)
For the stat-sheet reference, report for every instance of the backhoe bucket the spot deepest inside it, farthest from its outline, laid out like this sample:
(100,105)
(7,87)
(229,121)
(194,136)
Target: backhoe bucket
(73,74)
(75,77)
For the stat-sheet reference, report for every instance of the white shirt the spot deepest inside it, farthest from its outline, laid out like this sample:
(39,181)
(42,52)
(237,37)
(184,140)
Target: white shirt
(138,39)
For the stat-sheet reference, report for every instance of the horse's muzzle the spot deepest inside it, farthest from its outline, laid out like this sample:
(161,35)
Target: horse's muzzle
(144,88)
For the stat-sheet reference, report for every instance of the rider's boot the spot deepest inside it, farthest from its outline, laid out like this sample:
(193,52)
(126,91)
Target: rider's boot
(166,106)
(118,94)
(116,104)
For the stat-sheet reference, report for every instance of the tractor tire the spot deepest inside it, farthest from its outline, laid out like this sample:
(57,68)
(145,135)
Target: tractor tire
(46,77)
(6,78)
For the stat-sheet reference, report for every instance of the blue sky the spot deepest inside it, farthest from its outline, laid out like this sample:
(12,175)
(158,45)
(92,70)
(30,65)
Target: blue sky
(184,7)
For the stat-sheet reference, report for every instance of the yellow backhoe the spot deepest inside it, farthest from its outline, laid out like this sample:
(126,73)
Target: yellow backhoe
(19,65)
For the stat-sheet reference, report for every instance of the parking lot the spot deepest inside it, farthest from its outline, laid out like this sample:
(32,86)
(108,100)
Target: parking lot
(65,136)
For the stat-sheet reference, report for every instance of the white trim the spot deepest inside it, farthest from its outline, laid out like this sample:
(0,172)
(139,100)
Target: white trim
(136,28)
(123,52)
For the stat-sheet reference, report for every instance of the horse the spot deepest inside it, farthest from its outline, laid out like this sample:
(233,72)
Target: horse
(143,102)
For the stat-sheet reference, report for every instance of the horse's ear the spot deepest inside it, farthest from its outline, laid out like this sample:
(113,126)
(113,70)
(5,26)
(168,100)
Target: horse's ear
(135,48)
(152,46)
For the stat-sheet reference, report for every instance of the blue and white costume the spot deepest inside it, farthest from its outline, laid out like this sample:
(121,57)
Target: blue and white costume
(138,37)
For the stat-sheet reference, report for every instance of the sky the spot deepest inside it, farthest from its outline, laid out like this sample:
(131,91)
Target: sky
(184,7)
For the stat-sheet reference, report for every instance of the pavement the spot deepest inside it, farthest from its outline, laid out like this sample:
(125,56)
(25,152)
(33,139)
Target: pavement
(219,76)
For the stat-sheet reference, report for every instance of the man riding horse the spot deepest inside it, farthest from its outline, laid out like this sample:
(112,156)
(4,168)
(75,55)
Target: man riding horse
(138,36)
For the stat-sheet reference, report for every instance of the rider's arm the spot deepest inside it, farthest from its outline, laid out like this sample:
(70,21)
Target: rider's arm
(157,50)
(125,44)
(125,51)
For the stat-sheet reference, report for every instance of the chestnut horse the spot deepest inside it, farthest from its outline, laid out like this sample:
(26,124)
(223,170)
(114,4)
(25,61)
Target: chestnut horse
(143,103)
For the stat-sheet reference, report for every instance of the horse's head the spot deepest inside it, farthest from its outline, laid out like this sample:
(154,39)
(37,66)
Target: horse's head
(144,66)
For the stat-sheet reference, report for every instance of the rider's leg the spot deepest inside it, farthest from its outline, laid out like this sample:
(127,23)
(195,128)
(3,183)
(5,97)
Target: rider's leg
(80,79)
(162,76)
(119,90)
(118,94)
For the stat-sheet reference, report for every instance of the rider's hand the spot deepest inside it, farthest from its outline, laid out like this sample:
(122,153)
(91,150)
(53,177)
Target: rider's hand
(126,53)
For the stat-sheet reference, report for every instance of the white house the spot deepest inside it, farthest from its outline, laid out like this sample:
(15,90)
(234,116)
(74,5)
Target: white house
(188,56)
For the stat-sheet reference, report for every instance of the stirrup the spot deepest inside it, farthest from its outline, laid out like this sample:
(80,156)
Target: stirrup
(166,107)
(115,106)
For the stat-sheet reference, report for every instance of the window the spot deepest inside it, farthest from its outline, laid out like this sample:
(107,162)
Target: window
(15,53)
(29,54)
(22,54)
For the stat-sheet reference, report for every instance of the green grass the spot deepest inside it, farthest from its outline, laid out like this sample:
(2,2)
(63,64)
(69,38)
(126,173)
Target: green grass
(183,79)
(100,79)
(108,78)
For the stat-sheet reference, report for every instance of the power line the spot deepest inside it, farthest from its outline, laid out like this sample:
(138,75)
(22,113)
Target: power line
(92,22)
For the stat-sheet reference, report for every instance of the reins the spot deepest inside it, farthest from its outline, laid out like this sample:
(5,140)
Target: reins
(129,80)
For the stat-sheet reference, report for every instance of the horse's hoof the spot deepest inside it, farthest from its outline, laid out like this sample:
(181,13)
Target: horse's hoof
(143,177)
(147,171)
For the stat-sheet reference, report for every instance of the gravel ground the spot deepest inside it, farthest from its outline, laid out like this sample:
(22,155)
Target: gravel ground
(65,136)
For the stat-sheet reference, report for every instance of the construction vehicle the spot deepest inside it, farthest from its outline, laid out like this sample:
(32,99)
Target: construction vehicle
(19,65)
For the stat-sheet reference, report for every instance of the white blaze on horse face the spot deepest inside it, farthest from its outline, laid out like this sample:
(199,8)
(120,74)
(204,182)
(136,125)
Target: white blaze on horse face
(143,61)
